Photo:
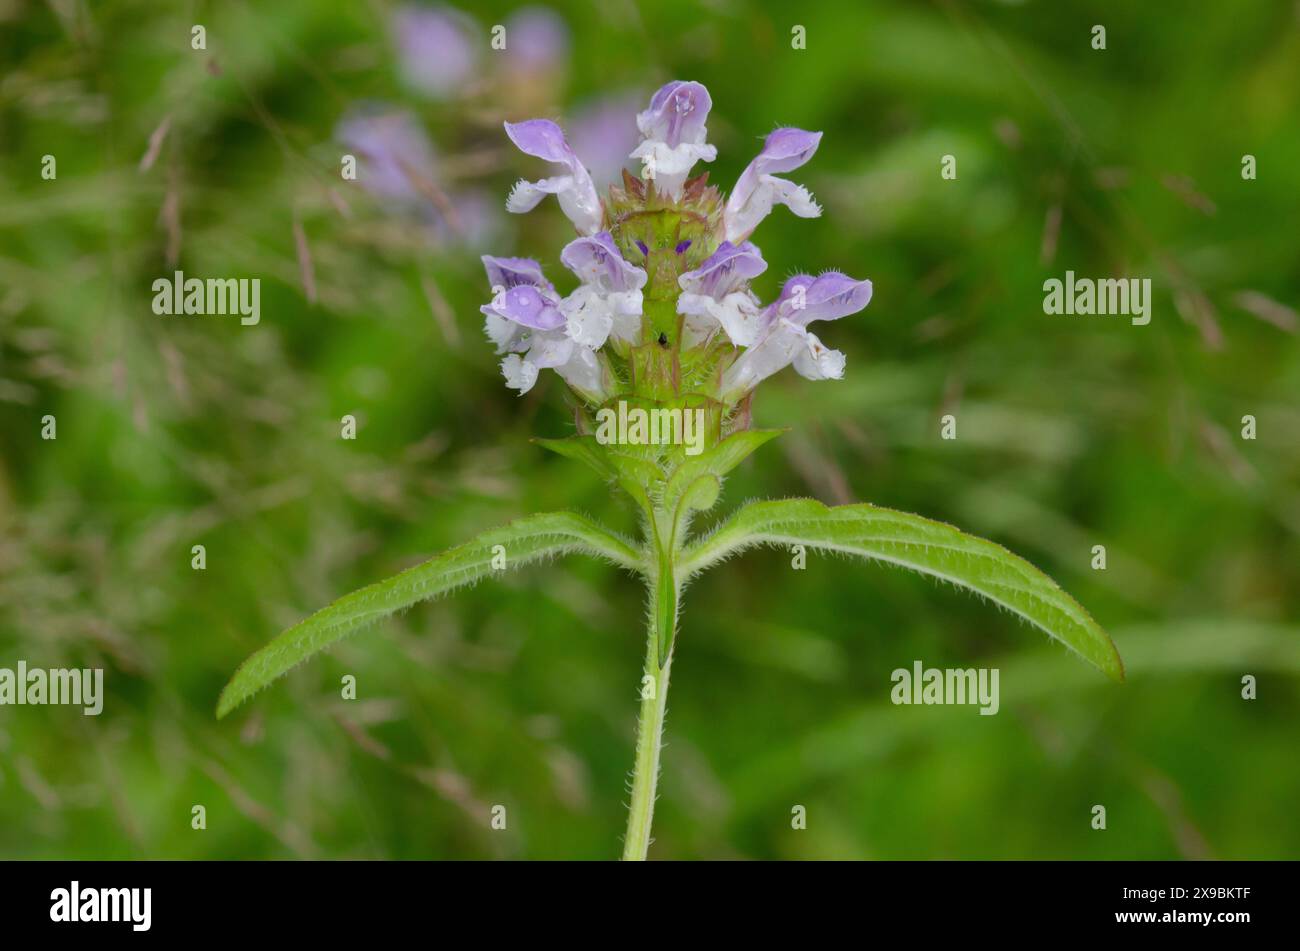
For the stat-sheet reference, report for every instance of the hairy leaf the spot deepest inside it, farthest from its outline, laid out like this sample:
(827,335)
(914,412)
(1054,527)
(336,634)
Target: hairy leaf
(716,461)
(922,545)
(523,541)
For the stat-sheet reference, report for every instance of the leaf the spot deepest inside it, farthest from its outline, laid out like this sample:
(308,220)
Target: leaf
(633,468)
(583,448)
(922,545)
(524,540)
(716,461)
(666,594)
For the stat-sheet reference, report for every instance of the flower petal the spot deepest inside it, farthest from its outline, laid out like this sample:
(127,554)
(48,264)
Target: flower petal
(551,349)
(669,167)
(526,195)
(786,339)
(588,317)
(509,272)
(724,271)
(757,189)
(772,353)
(737,313)
(678,112)
(528,306)
(520,374)
(740,220)
(585,374)
(816,361)
(508,336)
(596,260)
(576,192)
(830,296)
(540,138)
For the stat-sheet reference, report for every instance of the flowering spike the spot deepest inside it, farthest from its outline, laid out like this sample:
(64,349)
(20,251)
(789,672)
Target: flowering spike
(663,311)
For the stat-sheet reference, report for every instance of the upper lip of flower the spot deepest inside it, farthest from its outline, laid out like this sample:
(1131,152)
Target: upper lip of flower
(729,266)
(677,114)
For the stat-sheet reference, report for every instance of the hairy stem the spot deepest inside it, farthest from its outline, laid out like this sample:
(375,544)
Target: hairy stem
(664,590)
(649,740)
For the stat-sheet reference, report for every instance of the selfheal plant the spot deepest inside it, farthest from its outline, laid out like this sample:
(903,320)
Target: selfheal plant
(663,319)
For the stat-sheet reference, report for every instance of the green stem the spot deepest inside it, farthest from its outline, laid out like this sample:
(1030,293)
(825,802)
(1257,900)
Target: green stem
(649,740)
(662,625)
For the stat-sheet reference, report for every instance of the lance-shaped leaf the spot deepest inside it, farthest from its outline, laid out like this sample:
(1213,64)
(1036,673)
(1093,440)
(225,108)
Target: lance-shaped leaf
(632,467)
(525,540)
(922,545)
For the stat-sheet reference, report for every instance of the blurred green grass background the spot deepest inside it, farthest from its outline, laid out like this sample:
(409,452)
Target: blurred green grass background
(1071,432)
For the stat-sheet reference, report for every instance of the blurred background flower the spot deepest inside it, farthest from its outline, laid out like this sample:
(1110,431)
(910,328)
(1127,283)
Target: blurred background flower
(438,49)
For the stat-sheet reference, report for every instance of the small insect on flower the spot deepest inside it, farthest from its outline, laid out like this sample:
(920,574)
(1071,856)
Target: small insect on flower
(665,264)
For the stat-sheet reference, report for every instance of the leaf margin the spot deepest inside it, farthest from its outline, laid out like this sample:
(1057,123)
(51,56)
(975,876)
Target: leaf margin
(754,524)
(568,532)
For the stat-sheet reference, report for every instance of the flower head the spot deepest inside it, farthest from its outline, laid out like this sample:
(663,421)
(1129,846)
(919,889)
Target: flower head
(663,310)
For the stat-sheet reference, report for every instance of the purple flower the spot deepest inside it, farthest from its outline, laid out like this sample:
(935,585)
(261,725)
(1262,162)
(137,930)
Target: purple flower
(597,260)
(716,294)
(787,340)
(437,48)
(757,189)
(537,40)
(576,192)
(533,305)
(609,300)
(511,272)
(526,321)
(725,270)
(395,159)
(673,134)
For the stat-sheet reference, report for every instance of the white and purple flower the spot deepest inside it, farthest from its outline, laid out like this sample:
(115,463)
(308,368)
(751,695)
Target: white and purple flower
(664,269)
(716,295)
(673,133)
(543,139)
(757,189)
(785,338)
